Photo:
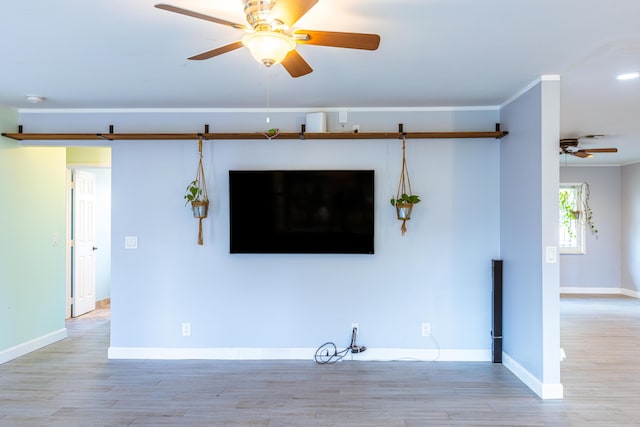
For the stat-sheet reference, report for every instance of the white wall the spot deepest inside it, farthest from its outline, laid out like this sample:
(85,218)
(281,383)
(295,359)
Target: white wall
(631,225)
(599,268)
(287,305)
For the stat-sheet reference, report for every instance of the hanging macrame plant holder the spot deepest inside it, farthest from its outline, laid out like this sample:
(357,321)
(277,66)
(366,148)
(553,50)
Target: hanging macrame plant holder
(405,199)
(200,206)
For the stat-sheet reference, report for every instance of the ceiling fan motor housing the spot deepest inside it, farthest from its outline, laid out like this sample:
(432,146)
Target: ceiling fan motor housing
(569,142)
(258,14)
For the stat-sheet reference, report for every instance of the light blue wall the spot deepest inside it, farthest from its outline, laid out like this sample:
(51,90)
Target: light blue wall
(631,225)
(600,266)
(529,224)
(438,273)
(521,237)
(32,244)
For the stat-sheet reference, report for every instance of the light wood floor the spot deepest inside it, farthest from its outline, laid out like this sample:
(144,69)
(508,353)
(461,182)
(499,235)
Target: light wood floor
(71,383)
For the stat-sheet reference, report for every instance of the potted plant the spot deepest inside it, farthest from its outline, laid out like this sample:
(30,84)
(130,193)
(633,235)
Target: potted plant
(569,212)
(405,199)
(404,205)
(584,194)
(196,193)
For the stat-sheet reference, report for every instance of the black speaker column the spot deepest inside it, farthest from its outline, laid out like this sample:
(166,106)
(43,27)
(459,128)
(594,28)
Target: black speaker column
(496,310)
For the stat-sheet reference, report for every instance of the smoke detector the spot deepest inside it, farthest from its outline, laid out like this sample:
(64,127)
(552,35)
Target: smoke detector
(35,99)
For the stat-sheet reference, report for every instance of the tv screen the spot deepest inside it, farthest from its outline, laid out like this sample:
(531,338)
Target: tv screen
(296,211)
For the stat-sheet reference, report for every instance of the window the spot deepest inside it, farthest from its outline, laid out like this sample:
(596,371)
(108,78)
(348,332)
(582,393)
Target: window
(575,215)
(571,228)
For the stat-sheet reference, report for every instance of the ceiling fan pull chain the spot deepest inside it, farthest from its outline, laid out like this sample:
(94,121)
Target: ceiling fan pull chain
(268,93)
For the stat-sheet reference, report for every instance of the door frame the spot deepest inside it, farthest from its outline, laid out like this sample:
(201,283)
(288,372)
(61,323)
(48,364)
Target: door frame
(70,168)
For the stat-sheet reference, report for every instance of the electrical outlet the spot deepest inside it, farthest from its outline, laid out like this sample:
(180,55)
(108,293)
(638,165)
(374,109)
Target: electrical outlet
(186,329)
(356,128)
(426,329)
(356,326)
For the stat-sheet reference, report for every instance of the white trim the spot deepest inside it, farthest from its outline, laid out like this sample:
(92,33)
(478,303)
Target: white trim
(630,292)
(423,355)
(518,94)
(248,110)
(544,391)
(591,165)
(67,243)
(634,162)
(32,345)
(164,353)
(380,354)
(599,291)
(88,165)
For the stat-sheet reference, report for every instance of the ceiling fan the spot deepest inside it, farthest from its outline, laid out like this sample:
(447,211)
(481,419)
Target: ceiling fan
(571,146)
(269,36)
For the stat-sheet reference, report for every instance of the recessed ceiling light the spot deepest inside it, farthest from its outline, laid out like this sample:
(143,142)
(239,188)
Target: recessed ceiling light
(628,76)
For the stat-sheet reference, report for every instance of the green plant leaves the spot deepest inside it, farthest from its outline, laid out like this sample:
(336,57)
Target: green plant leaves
(193,192)
(405,198)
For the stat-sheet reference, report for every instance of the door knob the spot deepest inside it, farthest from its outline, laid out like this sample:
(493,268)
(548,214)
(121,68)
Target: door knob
(94,248)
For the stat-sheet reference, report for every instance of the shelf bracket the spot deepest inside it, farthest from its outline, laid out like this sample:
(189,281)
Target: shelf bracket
(103,136)
(401,131)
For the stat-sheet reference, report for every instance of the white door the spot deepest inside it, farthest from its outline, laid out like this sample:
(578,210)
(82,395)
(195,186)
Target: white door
(84,263)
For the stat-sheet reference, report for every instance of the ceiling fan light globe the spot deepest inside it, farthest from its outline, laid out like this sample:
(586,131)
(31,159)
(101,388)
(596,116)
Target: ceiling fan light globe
(268,47)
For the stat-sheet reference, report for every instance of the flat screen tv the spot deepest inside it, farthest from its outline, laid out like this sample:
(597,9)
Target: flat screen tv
(301,211)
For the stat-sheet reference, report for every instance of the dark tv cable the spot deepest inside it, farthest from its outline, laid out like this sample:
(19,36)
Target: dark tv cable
(328,353)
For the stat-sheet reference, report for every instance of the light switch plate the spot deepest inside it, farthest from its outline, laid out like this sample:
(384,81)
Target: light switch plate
(552,254)
(131,242)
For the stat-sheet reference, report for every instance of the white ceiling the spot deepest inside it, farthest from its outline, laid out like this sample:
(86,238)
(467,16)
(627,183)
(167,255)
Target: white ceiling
(433,53)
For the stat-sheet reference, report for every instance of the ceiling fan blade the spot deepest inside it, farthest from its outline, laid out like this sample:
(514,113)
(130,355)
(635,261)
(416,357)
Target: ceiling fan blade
(218,51)
(600,150)
(337,39)
(192,14)
(581,153)
(290,11)
(296,65)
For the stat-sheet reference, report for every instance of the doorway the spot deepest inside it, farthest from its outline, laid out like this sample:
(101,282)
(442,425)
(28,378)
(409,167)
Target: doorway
(88,260)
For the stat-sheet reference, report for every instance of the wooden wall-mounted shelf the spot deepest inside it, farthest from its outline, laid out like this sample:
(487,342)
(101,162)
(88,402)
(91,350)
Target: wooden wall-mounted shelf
(111,136)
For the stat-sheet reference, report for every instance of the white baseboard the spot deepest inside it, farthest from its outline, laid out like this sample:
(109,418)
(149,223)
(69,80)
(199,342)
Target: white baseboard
(545,391)
(375,354)
(32,345)
(630,293)
(599,291)
(423,355)
(163,353)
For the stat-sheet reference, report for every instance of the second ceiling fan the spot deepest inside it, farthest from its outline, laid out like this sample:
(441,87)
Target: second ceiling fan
(571,146)
(269,36)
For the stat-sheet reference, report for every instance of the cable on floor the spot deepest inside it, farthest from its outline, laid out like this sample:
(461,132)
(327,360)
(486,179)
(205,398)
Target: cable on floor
(328,353)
